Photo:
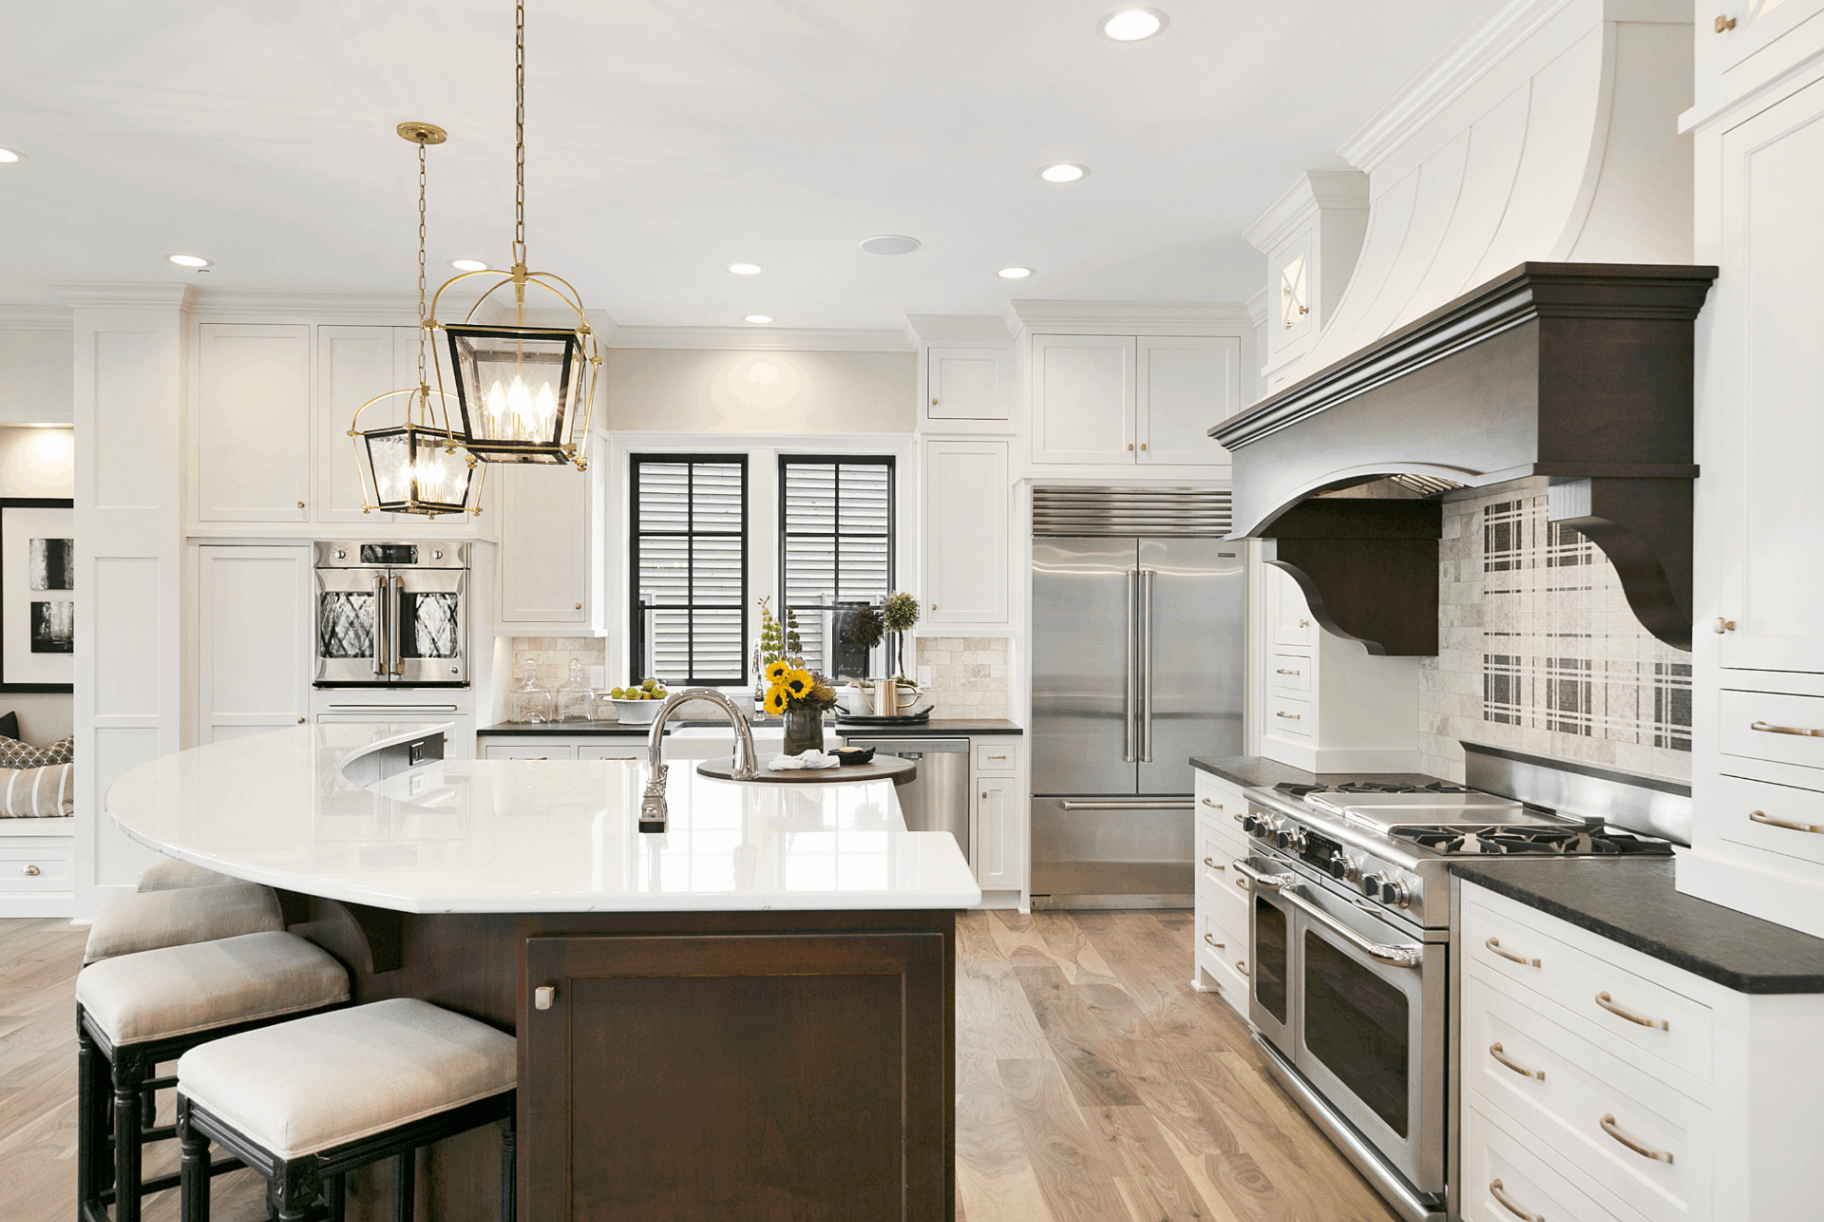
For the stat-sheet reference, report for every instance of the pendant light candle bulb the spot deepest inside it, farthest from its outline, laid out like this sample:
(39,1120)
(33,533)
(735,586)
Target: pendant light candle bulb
(547,405)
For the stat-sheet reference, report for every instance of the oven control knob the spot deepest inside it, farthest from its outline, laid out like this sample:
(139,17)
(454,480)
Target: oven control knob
(1290,836)
(1257,825)
(1387,888)
(1344,866)
(341,554)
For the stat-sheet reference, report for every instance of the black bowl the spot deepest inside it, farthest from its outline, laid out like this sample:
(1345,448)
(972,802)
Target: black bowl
(854,755)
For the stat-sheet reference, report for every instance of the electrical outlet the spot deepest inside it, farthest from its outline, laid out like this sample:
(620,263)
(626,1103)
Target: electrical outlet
(924,676)
(598,677)
(417,784)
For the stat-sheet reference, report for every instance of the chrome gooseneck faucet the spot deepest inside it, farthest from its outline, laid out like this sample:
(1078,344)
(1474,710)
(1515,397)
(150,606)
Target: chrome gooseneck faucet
(653,815)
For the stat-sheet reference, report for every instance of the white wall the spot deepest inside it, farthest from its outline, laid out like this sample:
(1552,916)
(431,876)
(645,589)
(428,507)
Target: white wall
(717,391)
(36,373)
(37,462)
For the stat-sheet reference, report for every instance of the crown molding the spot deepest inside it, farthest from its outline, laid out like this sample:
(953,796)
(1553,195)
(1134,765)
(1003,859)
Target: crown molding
(1257,306)
(36,318)
(1312,192)
(395,309)
(1445,80)
(131,295)
(957,328)
(758,339)
(1153,317)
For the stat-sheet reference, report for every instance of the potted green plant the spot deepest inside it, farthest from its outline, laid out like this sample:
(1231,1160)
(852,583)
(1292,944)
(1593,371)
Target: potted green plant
(898,614)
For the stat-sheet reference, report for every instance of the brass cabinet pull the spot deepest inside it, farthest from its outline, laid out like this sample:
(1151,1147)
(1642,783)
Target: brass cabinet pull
(1724,625)
(1494,944)
(1215,943)
(1765,728)
(1289,716)
(1217,805)
(1723,26)
(1241,965)
(1242,883)
(32,871)
(1494,1050)
(1608,1003)
(1608,1126)
(1500,1194)
(1770,821)
(1213,864)
(1284,671)
(1240,818)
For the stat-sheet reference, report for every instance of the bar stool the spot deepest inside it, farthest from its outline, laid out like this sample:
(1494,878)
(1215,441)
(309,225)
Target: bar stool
(138,1009)
(305,1102)
(170,874)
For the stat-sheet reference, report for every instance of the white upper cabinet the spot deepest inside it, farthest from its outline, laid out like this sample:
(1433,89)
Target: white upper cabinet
(965,532)
(1083,398)
(253,423)
(1743,43)
(353,365)
(255,636)
(1185,384)
(548,580)
(967,384)
(1770,436)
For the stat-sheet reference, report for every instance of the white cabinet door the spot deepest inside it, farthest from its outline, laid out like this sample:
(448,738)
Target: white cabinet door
(253,423)
(995,828)
(1185,385)
(1772,581)
(1083,399)
(353,365)
(967,384)
(965,520)
(544,546)
(254,640)
(1288,615)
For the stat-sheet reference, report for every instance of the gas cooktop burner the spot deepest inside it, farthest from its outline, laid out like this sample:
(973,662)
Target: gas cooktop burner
(1297,790)
(1570,842)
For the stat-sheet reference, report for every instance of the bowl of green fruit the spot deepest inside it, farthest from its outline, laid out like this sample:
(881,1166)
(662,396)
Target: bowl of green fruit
(638,704)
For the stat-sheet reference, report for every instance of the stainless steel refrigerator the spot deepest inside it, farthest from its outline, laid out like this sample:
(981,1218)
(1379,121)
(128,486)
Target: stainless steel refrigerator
(1137,665)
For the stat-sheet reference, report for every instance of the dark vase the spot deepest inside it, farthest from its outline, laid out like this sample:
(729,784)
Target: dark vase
(803,731)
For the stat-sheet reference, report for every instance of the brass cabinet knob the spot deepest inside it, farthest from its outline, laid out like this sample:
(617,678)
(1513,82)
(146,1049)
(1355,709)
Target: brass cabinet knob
(1724,625)
(579,606)
(1724,24)
(32,871)
(300,504)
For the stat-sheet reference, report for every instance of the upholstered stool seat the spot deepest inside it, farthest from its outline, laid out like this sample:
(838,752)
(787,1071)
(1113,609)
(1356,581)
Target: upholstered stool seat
(149,920)
(307,1101)
(136,1010)
(170,874)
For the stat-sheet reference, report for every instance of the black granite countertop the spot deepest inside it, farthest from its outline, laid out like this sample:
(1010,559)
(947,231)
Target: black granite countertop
(1254,770)
(950,727)
(1633,901)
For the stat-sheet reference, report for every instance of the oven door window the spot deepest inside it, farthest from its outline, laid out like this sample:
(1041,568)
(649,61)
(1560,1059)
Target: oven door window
(430,627)
(1360,1027)
(345,624)
(1271,948)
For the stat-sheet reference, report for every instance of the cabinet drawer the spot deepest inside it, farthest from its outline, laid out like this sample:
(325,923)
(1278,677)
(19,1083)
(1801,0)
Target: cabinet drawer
(528,751)
(1780,819)
(1216,800)
(1290,718)
(632,749)
(1229,900)
(1597,995)
(1223,954)
(1289,672)
(1581,1102)
(1776,714)
(1224,831)
(1503,1179)
(26,868)
(1213,856)
(996,755)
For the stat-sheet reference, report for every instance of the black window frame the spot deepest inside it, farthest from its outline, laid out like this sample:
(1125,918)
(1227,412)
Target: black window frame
(835,534)
(636,637)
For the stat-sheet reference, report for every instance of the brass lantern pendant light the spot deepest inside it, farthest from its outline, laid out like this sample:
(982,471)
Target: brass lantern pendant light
(416,467)
(524,393)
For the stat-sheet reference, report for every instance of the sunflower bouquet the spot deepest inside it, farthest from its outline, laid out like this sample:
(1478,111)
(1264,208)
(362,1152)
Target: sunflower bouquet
(792,689)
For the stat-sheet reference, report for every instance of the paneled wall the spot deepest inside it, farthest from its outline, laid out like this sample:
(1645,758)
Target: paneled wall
(1539,652)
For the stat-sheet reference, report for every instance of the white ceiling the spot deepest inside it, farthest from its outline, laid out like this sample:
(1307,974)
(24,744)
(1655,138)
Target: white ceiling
(668,138)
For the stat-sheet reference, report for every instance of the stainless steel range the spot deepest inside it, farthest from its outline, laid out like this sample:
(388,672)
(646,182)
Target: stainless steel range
(1350,930)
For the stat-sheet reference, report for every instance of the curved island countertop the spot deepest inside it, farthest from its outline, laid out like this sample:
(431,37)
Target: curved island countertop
(515,836)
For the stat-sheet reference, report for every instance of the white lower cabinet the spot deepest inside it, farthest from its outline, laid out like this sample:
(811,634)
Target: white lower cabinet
(36,870)
(1221,929)
(1600,1083)
(994,824)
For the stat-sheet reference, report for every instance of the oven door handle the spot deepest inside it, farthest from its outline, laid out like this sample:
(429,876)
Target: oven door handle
(1256,881)
(1393,956)
(381,626)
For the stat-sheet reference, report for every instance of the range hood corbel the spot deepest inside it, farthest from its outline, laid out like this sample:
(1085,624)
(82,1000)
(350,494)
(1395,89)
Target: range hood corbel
(1577,374)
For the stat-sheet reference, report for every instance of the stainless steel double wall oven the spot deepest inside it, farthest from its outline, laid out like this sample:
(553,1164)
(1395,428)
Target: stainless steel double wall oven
(392,614)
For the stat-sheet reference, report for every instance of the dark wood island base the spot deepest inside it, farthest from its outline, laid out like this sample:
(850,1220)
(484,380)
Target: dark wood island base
(690,1066)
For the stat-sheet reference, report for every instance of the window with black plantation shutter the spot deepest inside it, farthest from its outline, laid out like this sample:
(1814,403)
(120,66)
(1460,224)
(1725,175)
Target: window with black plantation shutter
(835,550)
(689,567)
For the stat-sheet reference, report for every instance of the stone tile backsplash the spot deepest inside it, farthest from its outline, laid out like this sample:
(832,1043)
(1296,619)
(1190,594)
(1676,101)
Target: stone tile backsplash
(969,675)
(1539,652)
(553,654)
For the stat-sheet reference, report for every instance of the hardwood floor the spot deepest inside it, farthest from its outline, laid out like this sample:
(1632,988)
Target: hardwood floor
(1093,1085)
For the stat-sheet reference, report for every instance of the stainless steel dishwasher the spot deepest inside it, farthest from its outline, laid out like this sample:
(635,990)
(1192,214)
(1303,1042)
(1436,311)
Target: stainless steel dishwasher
(937,799)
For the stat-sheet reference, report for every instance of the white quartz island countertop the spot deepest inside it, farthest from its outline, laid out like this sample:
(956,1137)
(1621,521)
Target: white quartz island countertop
(528,835)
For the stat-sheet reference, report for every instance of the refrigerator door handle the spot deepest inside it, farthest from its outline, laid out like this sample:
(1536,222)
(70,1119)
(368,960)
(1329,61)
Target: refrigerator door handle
(1130,693)
(1146,666)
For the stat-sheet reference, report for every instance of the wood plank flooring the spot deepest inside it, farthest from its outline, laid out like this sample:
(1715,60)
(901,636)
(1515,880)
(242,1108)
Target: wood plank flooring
(1093,1085)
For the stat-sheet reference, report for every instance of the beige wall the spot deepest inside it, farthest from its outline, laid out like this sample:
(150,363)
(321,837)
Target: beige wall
(37,377)
(696,391)
(38,462)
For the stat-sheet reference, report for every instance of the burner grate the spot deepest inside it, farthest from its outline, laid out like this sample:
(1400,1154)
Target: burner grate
(1570,842)
(1298,789)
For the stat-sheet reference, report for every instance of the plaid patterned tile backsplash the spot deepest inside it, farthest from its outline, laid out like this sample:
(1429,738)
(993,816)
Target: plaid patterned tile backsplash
(1539,651)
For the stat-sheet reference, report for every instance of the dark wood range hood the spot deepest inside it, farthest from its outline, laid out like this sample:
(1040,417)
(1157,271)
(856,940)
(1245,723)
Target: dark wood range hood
(1577,373)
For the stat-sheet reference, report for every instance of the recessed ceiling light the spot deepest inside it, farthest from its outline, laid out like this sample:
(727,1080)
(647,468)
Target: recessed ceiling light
(188,260)
(468,265)
(1133,24)
(745,269)
(9,157)
(1064,171)
(890,244)
(1014,273)
(760,318)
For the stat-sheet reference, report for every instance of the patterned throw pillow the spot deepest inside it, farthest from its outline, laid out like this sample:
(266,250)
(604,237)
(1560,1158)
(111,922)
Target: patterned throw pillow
(15,754)
(37,793)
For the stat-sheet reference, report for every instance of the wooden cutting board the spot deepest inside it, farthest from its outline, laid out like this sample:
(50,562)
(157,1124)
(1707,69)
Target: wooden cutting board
(880,768)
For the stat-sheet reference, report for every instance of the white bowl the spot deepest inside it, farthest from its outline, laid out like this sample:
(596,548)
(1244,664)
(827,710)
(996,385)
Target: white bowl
(637,712)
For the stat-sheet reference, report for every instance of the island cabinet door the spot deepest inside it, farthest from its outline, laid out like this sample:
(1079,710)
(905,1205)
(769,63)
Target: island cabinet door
(804,1076)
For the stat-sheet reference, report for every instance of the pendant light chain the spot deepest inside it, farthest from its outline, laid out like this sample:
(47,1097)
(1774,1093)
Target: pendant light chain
(519,133)
(423,386)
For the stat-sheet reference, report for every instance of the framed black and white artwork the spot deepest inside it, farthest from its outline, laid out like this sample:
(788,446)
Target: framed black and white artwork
(37,594)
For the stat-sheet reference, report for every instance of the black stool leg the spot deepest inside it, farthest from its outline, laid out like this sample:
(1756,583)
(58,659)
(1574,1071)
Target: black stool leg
(299,1185)
(129,1073)
(93,1079)
(405,1185)
(509,1166)
(193,1174)
(335,1197)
